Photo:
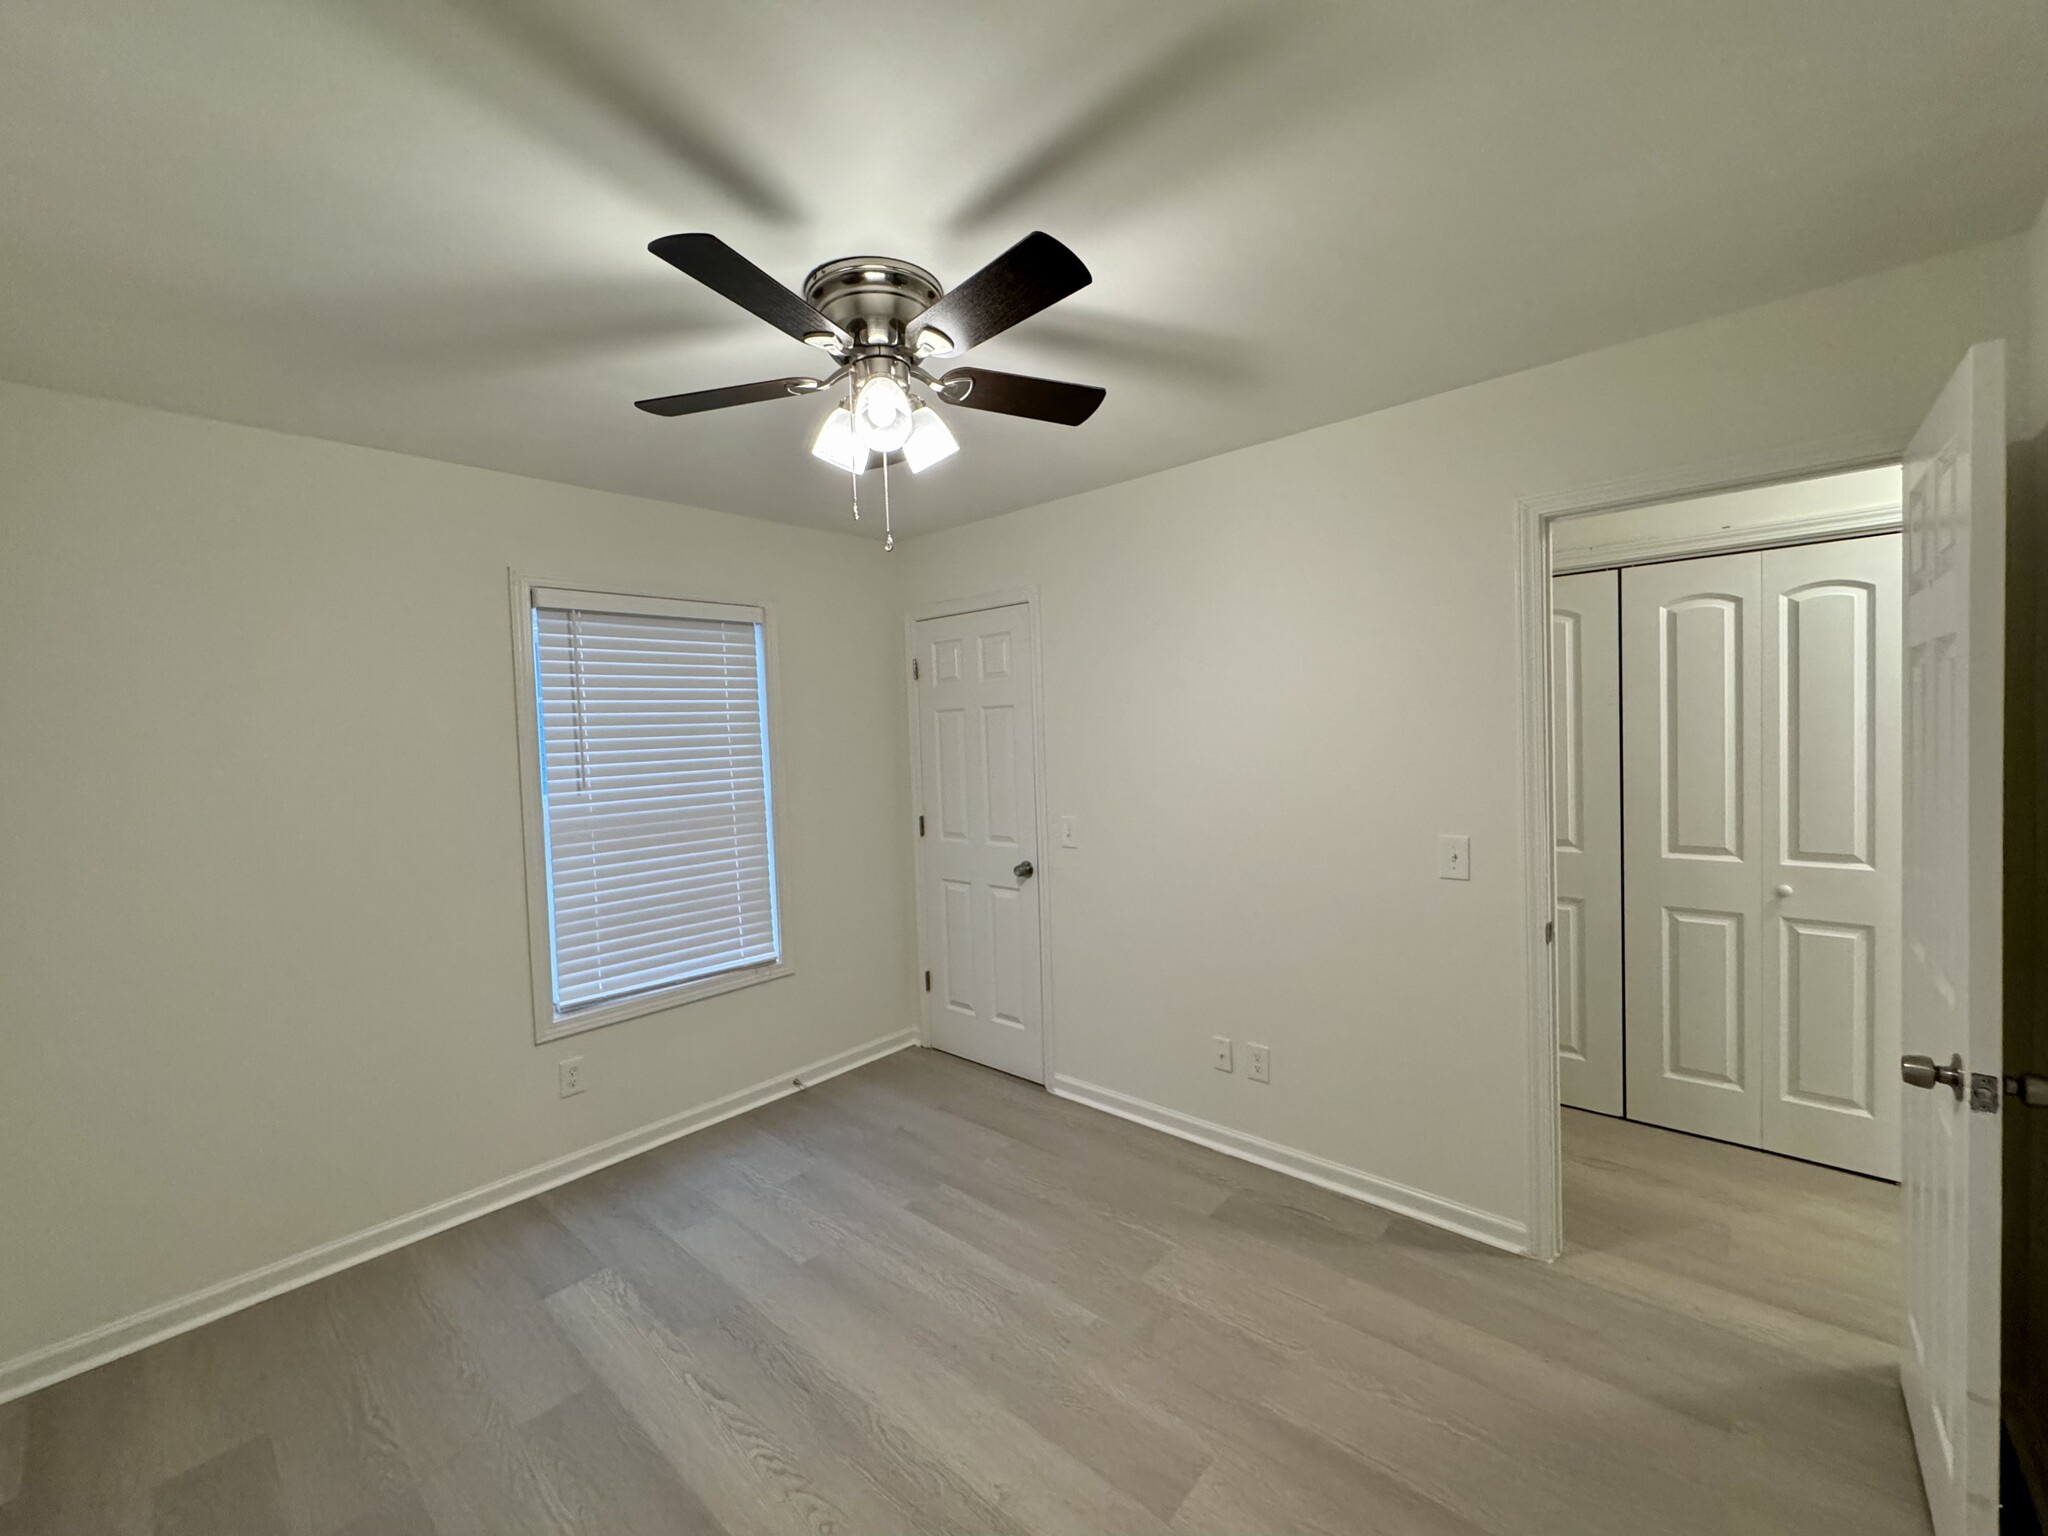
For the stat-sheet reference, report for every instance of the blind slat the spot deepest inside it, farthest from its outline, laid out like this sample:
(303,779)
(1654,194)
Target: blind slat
(654,760)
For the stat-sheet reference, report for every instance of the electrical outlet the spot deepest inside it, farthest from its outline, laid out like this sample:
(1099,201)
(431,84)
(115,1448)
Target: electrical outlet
(571,1068)
(1453,856)
(1221,1056)
(1067,836)
(1260,1068)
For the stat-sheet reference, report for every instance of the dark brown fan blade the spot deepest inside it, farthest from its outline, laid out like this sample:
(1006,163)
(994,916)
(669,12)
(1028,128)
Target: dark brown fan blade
(1035,272)
(724,270)
(1018,394)
(734,394)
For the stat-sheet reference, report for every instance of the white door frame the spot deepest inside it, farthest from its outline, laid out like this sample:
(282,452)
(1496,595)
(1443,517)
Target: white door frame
(1534,516)
(1042,879)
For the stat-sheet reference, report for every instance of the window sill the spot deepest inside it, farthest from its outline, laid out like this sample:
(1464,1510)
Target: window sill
(549,1027)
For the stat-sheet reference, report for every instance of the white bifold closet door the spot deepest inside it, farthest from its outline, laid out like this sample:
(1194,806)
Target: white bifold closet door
(1760,753)
(1585,787)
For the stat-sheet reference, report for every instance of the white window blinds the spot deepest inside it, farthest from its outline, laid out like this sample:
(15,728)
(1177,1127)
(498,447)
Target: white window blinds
(654,772)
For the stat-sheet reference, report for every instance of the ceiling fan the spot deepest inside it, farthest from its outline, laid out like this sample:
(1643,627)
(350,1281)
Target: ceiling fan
(882,321)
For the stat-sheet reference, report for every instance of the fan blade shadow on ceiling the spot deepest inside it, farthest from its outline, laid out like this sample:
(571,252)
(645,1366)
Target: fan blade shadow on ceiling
(1142,346)
(508,325)
(1183,80)
(492,48)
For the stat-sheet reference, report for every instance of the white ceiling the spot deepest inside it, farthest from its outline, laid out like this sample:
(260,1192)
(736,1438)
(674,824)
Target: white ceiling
(421,224)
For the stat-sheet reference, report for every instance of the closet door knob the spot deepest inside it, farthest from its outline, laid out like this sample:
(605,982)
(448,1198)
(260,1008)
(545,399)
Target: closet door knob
(1783,890)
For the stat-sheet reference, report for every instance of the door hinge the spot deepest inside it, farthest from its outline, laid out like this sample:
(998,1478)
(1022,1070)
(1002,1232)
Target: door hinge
(913,669)
(2030,1088)
(1550,932)
(920,826)
(1985,1092)
(927,981)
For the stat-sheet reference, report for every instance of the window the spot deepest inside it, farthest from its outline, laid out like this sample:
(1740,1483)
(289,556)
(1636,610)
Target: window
(650,803)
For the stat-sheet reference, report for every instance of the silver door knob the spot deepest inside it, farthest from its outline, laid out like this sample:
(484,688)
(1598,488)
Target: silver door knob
(1783,890)
(1024,871)
(1922,1072)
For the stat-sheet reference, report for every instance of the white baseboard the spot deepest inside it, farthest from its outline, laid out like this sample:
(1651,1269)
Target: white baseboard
(68,1357)
(1481,1226)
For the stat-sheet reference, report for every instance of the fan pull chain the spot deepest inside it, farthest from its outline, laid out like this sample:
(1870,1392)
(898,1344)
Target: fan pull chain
(858,453)
(888,532)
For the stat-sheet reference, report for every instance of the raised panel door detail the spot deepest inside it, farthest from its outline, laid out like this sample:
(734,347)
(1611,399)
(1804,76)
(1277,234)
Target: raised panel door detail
(957,944)
(1567,731)
(999,758)
(995,655)
(1569,962)
(1702,710)
(1827,746)
(1007,956)
(950,791)
(946,658)
(1703,1014)
(1825,1016)
(1933,882)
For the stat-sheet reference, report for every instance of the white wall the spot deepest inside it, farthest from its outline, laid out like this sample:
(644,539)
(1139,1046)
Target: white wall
(262,912)
(1272,677)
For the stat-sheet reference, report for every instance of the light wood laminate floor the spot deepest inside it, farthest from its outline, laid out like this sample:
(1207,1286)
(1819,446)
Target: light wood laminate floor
(926,1298)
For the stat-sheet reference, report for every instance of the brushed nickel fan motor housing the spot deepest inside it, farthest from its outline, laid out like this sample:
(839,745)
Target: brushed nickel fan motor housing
(872,298)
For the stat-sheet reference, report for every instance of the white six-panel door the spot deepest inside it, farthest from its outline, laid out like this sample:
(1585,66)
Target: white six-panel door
(1585,785)
(1761,848)
(1953,936)
(978,783)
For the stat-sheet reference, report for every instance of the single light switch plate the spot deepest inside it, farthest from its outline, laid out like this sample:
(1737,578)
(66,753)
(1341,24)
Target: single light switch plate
(1067,837)
(571,1068)
(1221,1053)
(1453,856)
(1260,1067)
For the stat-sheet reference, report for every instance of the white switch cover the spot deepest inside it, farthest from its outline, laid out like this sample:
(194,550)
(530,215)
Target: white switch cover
(1067,837)
(1260,1068)
(1453,856)
(1222,1057)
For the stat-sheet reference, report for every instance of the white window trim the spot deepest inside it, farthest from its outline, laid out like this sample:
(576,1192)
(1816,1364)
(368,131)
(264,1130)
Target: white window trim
(528,593)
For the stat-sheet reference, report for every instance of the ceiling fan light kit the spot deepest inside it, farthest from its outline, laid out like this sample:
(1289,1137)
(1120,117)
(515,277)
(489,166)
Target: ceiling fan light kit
(881,320)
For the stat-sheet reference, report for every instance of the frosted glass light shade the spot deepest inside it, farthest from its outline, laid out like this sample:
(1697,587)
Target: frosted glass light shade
(930,440)
(837,444)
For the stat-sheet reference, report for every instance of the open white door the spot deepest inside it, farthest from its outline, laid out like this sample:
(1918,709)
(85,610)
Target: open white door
(1951,924)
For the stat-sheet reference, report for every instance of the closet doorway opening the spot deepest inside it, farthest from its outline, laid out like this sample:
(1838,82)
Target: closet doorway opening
(1725,717)
(1725,773)
(1847,1275)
